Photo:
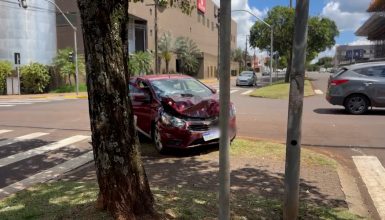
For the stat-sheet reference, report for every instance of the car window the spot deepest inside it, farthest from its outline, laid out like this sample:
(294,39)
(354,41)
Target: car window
(182,86)
(247,74)
(373,71)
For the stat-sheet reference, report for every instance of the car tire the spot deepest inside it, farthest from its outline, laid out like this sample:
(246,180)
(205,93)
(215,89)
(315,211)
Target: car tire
(356,104)
(157,141)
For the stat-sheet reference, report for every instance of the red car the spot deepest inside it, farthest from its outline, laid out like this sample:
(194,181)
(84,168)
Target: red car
(177,111)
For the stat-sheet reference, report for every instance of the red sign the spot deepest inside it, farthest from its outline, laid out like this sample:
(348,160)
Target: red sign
(201,5)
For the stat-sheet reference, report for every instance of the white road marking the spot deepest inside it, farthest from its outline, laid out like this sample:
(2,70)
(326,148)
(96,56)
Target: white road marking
(318,92)
(40,150)
(6,105)
(24,101)
(247,92)
(22,138)
(4,131)
(46,175)
(373,175)
(233,91)
(15,103)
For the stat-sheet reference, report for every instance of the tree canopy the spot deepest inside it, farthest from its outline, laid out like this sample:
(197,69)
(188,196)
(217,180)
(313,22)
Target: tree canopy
(321,34)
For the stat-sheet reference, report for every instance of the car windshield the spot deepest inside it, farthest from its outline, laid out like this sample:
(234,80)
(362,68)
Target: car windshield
(186,87)
(247,74)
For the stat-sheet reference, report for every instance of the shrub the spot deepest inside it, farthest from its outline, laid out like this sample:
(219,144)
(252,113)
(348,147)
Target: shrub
(34,78)
(5,70)
(140,63)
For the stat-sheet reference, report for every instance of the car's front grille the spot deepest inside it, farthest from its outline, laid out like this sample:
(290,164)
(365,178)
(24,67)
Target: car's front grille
(199,127)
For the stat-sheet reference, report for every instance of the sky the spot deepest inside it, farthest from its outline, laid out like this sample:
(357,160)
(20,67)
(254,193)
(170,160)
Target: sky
(349,15)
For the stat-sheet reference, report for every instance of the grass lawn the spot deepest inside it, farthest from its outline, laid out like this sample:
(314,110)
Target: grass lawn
(75,200)
(280,90)
(68,89)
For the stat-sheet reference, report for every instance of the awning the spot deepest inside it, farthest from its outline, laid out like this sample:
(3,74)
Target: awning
(377,6)
(374,27)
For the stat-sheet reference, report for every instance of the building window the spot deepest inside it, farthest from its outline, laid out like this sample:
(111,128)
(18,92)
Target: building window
(203,20)
(61,21)
(212,26)
(199,17)
(208,23)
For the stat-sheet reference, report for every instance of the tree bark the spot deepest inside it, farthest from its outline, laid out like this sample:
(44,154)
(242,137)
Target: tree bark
(167,66)
(124,189)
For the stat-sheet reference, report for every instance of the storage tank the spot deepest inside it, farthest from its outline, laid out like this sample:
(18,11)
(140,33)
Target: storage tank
(30,31)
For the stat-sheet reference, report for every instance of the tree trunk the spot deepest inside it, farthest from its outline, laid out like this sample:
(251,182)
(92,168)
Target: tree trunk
(288,70)
(124,189)
(69,79)
(167,65)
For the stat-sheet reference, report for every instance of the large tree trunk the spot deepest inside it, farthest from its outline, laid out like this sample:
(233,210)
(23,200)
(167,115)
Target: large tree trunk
(124,189)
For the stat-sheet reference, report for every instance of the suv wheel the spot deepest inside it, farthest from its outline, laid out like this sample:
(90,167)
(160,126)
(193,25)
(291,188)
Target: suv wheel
(356,104)
(157,141)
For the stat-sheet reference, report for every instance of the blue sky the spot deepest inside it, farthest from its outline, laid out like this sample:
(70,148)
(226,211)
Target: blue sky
(348,15)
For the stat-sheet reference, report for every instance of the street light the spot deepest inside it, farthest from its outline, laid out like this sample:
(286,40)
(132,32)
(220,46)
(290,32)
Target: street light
(75,42)
(271,40)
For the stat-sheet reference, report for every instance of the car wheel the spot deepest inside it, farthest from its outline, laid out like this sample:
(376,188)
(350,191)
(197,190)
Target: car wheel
(158,142)
(356,104)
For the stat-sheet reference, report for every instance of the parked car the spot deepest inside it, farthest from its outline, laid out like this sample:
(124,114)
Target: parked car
(177,111)
(265,73)
(358,87)
(246,78)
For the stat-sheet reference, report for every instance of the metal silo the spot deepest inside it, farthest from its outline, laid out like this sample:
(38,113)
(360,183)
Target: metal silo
(30,31)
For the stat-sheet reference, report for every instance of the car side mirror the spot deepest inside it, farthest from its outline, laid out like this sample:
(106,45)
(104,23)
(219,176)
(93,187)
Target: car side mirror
(142,97)
(213,90)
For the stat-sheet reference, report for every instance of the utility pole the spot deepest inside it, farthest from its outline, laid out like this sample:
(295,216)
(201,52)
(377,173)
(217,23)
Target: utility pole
(294,124)
(246,53)
(224,99)
(291,4)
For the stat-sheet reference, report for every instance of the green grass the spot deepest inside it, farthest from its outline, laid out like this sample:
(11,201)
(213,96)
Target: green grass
(275,151)
(76,200)
(68,89)
(280,90)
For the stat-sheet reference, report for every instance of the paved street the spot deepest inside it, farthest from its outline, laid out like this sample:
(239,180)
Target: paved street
(42,138)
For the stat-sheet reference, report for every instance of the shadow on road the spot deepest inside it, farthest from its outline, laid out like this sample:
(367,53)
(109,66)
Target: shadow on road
(335,111)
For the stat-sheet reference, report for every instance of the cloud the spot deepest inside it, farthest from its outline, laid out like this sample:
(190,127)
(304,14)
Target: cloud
(244,20)
(348,14)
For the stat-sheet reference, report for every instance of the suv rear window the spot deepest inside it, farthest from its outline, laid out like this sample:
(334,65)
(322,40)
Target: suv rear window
(373,71)
(339,72)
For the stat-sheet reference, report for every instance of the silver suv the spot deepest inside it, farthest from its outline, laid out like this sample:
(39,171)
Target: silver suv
(358,87)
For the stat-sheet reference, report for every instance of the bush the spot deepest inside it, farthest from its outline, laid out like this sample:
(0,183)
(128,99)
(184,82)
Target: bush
(140,63)
(5,70)
(34,78)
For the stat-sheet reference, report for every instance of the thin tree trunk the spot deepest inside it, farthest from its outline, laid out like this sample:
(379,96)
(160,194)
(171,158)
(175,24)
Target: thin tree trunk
(167,66)
(69,79)
(124,189)
(288,70)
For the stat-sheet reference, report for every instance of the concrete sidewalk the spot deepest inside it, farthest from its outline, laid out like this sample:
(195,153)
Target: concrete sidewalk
(81,95)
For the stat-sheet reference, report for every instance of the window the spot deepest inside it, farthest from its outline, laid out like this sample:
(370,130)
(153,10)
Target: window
(212,26)
(374,71)
(208,23)
(199,17)
(203,20)
(61,21)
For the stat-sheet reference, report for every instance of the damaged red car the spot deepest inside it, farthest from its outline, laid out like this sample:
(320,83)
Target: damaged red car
(177,111)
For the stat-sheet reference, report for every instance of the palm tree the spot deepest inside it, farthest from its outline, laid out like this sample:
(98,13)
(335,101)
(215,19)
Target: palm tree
(65,66)
(188,52)
(165,49)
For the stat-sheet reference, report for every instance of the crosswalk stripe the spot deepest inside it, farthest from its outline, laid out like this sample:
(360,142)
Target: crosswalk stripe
(373,175)
(24,101)
(40,150)
(318,92)
(233,91)
(6,105)
(14,103)
(22,138)
(46,175)
(4,131)
(247,92)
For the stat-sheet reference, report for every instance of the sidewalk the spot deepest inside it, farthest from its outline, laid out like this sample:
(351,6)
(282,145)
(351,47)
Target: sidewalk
(82,95)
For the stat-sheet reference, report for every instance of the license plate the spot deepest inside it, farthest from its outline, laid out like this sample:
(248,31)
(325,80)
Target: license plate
(211,135)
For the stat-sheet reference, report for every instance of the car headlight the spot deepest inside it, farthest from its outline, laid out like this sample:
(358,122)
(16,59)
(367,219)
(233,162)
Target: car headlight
(232,111)
(172,121)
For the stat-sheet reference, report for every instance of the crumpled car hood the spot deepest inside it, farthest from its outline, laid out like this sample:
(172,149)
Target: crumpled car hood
(194,107)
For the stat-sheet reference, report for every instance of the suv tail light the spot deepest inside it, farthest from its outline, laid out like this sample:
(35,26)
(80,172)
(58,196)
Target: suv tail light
(336,82)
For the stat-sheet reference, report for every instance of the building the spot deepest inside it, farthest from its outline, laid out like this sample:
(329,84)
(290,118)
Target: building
(201,26)
(349,54)
(374,28)
(28,30)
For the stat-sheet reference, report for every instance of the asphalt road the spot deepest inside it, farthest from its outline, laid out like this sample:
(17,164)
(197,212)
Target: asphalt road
(325,127)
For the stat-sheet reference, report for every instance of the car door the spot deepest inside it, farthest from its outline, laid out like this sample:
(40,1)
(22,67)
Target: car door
(379,86)
(141,103)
